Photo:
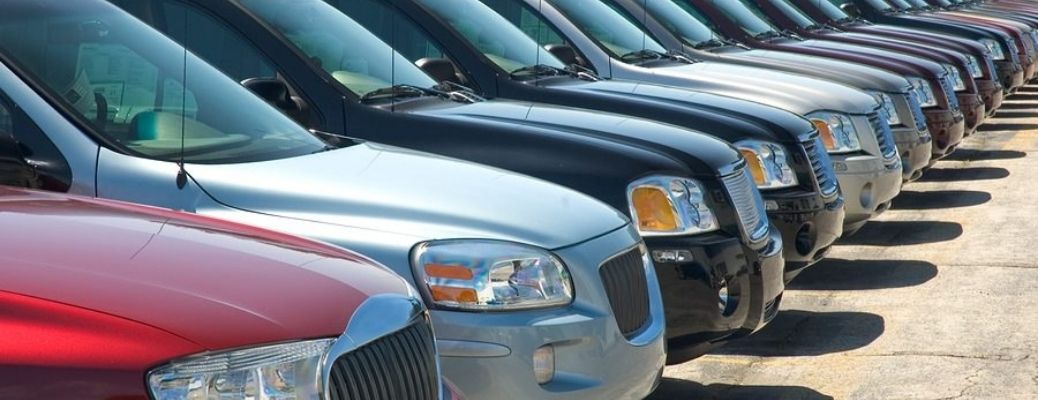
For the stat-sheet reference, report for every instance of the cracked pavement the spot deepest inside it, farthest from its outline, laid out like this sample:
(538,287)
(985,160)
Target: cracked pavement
(935,299)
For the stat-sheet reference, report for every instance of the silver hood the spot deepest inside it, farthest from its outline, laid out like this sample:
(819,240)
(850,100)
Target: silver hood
(857,75)
(378,188)
(797,93)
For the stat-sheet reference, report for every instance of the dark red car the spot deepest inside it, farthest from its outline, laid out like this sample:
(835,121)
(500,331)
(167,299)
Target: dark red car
(102,300)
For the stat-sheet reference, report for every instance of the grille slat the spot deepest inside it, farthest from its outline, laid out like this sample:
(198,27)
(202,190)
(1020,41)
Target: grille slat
(822,166)
(399,366)
(748,204)
(885,137)
(917,111)
(949,91)
(628,291)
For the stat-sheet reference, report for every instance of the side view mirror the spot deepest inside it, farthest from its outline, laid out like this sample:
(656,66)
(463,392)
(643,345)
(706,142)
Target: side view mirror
(851,10)
(277,93)
(14,168)
(440,69)
(563,52)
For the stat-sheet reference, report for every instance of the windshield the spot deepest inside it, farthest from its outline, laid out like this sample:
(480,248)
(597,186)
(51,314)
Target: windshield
(140,90)
(613,31)
(879,5)
(351,54)
(920,4)
(683,22)
(745,16)
(831,10)
(793,13)
(505,45)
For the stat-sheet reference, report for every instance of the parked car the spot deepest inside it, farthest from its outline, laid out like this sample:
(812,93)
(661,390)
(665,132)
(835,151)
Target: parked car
(521,272)
(965,70)
(705,251)
(681,32)
(809,213)
(870,174)
(141,302)
(1001,44)
(996,76)
(933,83)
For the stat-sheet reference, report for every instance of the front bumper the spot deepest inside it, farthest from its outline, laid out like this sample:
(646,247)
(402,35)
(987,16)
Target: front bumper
(915,147)
(488,354)
(868,186)
(808,224)
(947,128)
(973,111)
(992,93)
(1010,74)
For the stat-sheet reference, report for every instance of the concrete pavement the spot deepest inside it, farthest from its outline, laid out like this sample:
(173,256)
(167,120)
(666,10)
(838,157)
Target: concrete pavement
(936,299)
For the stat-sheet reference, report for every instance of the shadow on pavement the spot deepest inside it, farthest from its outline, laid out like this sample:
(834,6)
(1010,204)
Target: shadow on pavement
(999,127)
(1021,95)
(1018,106)
(964,174)
(903,233)
(938,199)
(981,155)
(837,274)
(680,389)
(795,333)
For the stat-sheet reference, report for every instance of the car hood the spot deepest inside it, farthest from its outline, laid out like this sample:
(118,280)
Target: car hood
(213,284)
(857,75)
(947,40)
(373,187)
(797,93)
(931,66)
(703,153)
(726,117)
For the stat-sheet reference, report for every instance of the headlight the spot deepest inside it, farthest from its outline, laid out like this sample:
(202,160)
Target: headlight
(888,106)
(923,92)
(284,371)
(768,164)
(975,71)
(837,132)
(956,77)
(994,48)
(488,275)
(668,206)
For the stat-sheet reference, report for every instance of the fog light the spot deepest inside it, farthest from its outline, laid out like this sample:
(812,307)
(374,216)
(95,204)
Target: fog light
(544,364)
(671,256)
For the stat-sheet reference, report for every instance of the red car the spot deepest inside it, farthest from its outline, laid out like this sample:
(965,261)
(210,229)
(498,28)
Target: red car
(103,300)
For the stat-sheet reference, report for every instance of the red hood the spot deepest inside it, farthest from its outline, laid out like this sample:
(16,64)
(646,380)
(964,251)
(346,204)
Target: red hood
(195,283)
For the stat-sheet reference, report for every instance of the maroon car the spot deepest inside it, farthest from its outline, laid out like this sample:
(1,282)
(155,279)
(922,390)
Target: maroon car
(789,17)
(737,20)
(101,300)
(997,76)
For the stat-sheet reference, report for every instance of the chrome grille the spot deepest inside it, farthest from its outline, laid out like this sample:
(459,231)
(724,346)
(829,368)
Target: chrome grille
(885,137)
(821,166)
(396,367)
(628,290)
(748,204)
(917,111)
(949,91)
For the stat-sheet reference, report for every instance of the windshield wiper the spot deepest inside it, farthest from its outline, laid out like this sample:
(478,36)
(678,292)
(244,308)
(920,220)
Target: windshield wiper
(709,44)
(642,55)
(401,91)
(537,70)
(767,35)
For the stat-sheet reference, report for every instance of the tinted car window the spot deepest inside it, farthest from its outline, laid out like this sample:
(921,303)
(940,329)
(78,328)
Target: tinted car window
(216,42)
(140,90)
(353,56)
(399,31)
(832,10)
(793,13)
(745,16)
(607,26)
(529,22)
(879,4)
(500,41)
(27,156)
(681,20)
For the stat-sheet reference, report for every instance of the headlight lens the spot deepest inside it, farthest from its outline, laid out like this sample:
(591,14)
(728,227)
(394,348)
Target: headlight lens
(923,92)
(994,48)
(975,71)
(956,77)
(836,131)
(888,105)
(488,275)
(282,372)
(669,205)
(768,164)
